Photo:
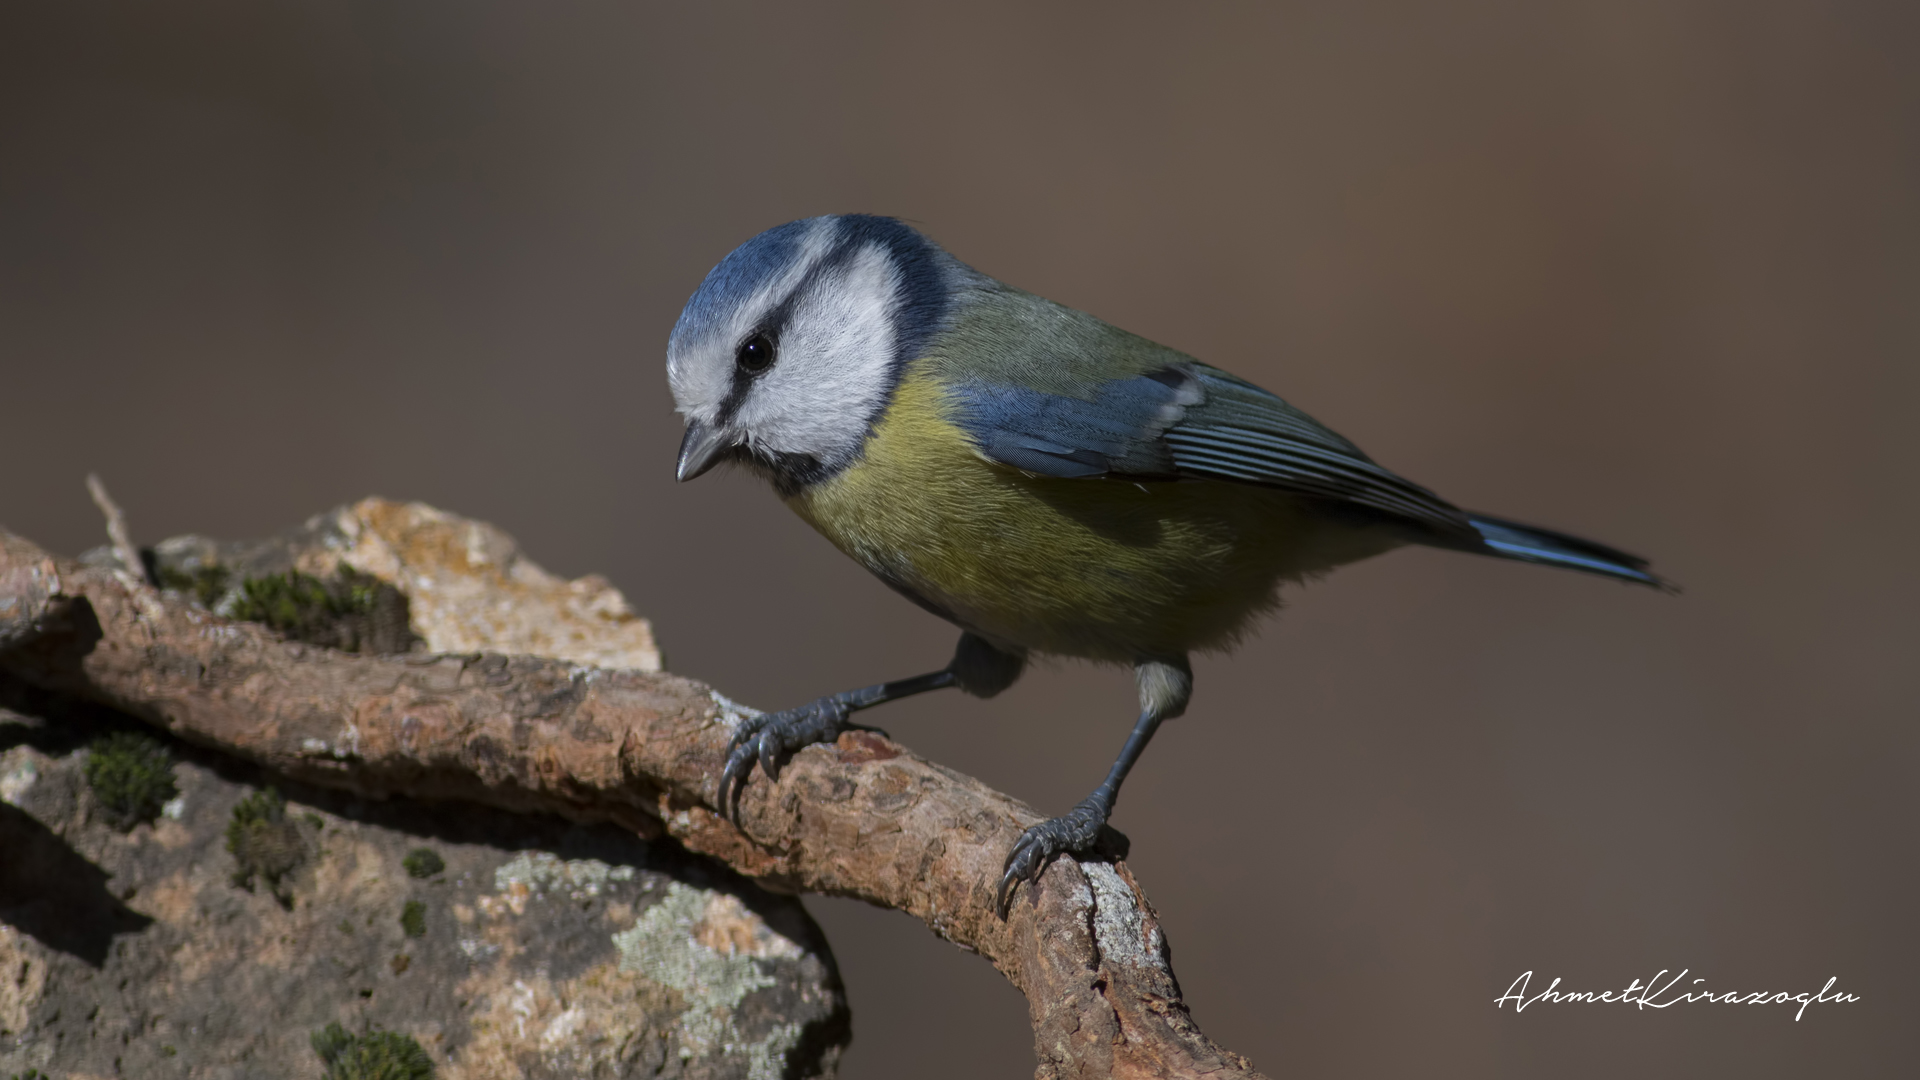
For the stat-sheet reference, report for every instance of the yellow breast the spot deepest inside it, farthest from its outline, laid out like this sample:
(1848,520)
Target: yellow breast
(1103,569)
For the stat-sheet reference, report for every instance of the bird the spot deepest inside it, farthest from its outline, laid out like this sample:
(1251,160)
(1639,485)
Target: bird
(1052,485)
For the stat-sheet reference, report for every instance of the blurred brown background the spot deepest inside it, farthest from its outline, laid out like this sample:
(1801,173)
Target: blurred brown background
(1644,271)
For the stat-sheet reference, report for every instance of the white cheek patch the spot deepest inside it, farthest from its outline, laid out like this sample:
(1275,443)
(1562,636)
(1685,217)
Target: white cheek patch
(835,363)
(700,373)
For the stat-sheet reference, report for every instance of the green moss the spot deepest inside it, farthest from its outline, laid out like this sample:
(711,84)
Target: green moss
(377,1055)
(350,611)
(413,919)
(132,776)
(423,862)
(293,603)
(207,583)
(264,844)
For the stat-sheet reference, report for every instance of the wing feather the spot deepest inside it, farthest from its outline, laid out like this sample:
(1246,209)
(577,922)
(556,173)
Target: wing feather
(1189,420)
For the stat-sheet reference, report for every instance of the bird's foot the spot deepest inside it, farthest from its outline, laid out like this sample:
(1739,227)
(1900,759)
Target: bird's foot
(772,738)
(1080,831)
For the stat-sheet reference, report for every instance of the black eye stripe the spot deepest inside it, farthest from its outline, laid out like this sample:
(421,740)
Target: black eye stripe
(745,373)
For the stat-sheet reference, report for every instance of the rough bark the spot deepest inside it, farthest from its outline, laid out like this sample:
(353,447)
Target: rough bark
(865,818)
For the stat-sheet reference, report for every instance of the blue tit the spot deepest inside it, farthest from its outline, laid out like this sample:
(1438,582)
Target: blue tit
(1044,481)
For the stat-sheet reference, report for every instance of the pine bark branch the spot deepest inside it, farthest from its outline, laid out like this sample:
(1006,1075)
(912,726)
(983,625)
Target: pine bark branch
(865,818)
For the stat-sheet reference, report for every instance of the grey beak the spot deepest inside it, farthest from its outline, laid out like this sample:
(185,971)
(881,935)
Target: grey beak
(700,450)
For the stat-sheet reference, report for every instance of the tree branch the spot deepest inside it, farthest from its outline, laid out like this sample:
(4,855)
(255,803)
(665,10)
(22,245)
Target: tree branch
(865,818)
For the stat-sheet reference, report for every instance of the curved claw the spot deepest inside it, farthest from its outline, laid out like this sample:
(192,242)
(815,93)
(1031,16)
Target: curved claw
(733,779)
(769,756)
(1073,833)
(769,738)
(1023,864)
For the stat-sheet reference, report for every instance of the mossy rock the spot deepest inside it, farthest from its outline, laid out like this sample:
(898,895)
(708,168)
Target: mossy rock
(377,1055)
(206,584)
(350,611)
(413,919)
(423,863)
(132,777)
(265,845)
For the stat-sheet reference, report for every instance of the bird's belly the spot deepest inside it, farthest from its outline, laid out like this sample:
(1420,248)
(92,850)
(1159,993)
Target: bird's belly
(1104,569)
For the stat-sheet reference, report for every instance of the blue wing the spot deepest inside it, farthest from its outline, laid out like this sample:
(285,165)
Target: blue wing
(1116,431)
(1241,432)
(1189,420)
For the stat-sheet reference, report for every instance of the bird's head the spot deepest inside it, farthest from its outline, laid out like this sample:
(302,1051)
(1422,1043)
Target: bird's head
(792,346)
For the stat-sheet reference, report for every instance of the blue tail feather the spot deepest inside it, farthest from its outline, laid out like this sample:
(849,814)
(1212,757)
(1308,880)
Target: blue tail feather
(1528,543)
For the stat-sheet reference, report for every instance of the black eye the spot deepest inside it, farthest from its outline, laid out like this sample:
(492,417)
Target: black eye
(755,355)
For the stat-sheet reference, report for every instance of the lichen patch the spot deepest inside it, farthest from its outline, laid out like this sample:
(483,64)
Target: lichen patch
(674,943)
(18,771)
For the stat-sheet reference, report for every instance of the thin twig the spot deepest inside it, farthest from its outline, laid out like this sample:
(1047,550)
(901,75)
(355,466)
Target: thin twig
(117,528)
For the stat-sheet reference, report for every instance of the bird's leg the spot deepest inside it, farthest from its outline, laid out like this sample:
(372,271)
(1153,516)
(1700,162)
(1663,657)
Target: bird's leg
(770,738)
(1164,690)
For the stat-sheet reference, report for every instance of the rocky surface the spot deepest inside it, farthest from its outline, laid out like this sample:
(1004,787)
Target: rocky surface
(189,946)
(543,949)
(468,587)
